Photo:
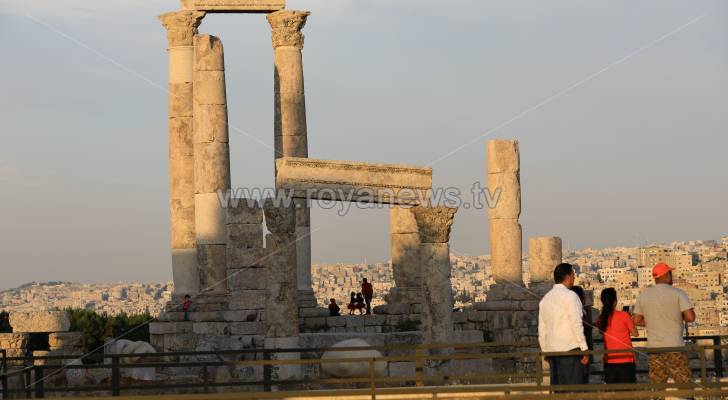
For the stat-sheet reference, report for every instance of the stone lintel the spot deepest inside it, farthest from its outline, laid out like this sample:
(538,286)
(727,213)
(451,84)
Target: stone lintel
(234,6)
(353,181)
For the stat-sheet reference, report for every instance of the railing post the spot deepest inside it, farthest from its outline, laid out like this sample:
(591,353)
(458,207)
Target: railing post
(717,358)
(419,366)
(539,369)
(372,378)
(205,386)
(38,384)
(115,376)
(28,384)
(4,381)
(267,372)
(703,367)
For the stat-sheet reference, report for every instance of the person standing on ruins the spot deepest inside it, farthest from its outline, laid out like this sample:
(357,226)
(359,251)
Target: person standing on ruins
(186,304)
(560,328)
(664,310)
(368,291)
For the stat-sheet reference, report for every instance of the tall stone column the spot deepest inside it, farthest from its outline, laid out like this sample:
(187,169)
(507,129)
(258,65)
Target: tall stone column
(289,126)
(434,225)
(212,163)
(544,254)
(181,27)
(406,267)
(505,231)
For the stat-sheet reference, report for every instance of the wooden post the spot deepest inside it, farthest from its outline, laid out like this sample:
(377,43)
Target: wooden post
(419,365)
(267,372)
(38,384)
(372,378)
(115,376)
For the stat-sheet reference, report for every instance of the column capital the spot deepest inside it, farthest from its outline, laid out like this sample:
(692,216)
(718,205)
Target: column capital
(181,26)
(434,223)
(286,26)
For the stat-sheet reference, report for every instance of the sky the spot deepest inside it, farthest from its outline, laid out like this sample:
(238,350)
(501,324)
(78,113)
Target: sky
(618,106)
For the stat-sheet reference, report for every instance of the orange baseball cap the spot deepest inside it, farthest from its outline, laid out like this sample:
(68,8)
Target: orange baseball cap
(660,269)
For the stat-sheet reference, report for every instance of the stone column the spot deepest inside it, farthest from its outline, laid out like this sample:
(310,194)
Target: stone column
(289,125)
(434,225)
(181,27)
(505,231)
(544,254)
(406,268)
(212,163)
(281,306)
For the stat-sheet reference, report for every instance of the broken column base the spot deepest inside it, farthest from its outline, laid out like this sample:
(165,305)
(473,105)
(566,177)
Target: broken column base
(509,314)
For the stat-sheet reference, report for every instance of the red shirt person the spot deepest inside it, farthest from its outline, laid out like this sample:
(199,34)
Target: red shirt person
(367,290)
(617,328)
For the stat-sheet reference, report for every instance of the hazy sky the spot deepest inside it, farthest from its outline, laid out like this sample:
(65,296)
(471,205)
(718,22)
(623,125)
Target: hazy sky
(619,107)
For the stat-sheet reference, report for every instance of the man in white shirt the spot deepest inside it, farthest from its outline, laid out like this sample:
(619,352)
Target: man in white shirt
(560,328)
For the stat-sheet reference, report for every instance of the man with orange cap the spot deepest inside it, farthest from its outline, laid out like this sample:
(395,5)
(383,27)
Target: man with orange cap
(663,310)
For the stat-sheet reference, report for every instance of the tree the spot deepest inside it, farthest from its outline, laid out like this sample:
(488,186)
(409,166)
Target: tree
(97,328)
(5,322)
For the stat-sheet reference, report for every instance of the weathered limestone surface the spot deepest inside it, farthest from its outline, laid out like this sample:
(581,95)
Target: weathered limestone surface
(235,6)
(434,224)
(505,231)
(404,247)
(123,346)
(352,369)
(212,259)
(181,27)
(544,254)
(14,340)
(40,321)
(211,162)
(290,130)
(353,181)
(289,124)
(503,156)
(65,339)
(244,211)
(505,242)
(281,271)
(509,200)
(283,372)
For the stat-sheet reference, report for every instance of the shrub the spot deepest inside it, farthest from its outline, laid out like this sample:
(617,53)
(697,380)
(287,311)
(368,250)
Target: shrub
(97,328)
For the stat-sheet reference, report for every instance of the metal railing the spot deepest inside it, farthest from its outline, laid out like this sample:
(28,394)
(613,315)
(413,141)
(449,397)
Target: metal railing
(429,375)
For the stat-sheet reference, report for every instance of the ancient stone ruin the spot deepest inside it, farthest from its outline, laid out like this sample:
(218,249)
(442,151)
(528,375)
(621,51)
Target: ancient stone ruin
(253,290)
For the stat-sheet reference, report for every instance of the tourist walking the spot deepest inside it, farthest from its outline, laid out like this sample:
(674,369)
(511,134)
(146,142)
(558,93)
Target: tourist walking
(588,324)
(368,291)
(617,328)
(560,328)
(334,308)
(352,304)
(663,310)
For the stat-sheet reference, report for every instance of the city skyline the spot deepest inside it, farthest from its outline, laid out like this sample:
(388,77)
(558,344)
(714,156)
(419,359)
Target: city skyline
(630,154)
